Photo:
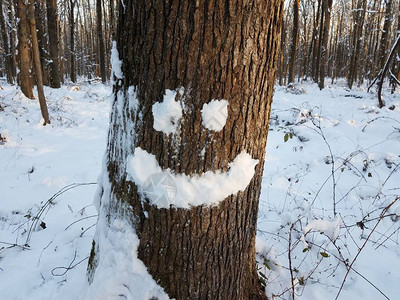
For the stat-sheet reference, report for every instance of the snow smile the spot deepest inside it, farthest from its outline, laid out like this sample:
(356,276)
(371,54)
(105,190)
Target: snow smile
(163,188)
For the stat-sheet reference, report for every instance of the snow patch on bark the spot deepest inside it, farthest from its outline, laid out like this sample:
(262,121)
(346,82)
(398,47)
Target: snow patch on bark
(116,63)
(163,188)
(214,114)
(167,113)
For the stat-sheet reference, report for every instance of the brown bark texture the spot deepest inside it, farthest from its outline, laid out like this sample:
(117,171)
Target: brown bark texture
(23,51)
(214,50)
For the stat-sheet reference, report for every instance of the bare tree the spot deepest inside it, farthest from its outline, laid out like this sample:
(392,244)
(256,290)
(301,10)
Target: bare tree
(36,63)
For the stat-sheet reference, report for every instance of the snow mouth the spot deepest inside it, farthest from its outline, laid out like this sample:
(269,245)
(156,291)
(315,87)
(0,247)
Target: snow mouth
(163,188)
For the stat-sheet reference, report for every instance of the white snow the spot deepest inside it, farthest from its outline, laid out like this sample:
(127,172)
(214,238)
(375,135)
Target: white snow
(300,197)
(167,113)
(329,227)
(214,114)
(184,191)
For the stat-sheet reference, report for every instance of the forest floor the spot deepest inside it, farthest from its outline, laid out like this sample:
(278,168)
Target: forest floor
(329,214)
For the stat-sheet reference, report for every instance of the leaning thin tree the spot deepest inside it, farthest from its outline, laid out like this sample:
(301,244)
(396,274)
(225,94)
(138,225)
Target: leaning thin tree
(190,114)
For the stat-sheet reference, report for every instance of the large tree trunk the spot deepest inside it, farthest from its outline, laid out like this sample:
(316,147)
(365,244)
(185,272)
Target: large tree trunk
(100,42)
(204,50)
(52,28)
(36,63)
(23,51)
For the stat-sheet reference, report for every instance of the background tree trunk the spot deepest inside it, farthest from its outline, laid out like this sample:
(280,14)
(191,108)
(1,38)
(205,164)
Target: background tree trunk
(72,40)
(326,9)
(359,16)
(100,41)
(396,63)
(11,20)
(383,48)
(214,50)
(23,51)
(317,42)
(293,49)
(7,50)
(43,44)
(52,29)
(36,63)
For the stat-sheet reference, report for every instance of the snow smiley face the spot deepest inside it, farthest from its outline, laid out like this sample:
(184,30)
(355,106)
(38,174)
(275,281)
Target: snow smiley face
(164,188)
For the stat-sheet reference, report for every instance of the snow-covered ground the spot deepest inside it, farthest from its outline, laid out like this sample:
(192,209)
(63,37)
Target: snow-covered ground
(47,179)
(331,178)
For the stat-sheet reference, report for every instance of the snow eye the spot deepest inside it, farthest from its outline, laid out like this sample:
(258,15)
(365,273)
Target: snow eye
(214,114)
(167,113)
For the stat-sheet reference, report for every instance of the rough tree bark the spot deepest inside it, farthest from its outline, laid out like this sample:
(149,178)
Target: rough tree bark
(100,42)
(52,29)
(25,81)
(281,55)
(214,50)
(36,63)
